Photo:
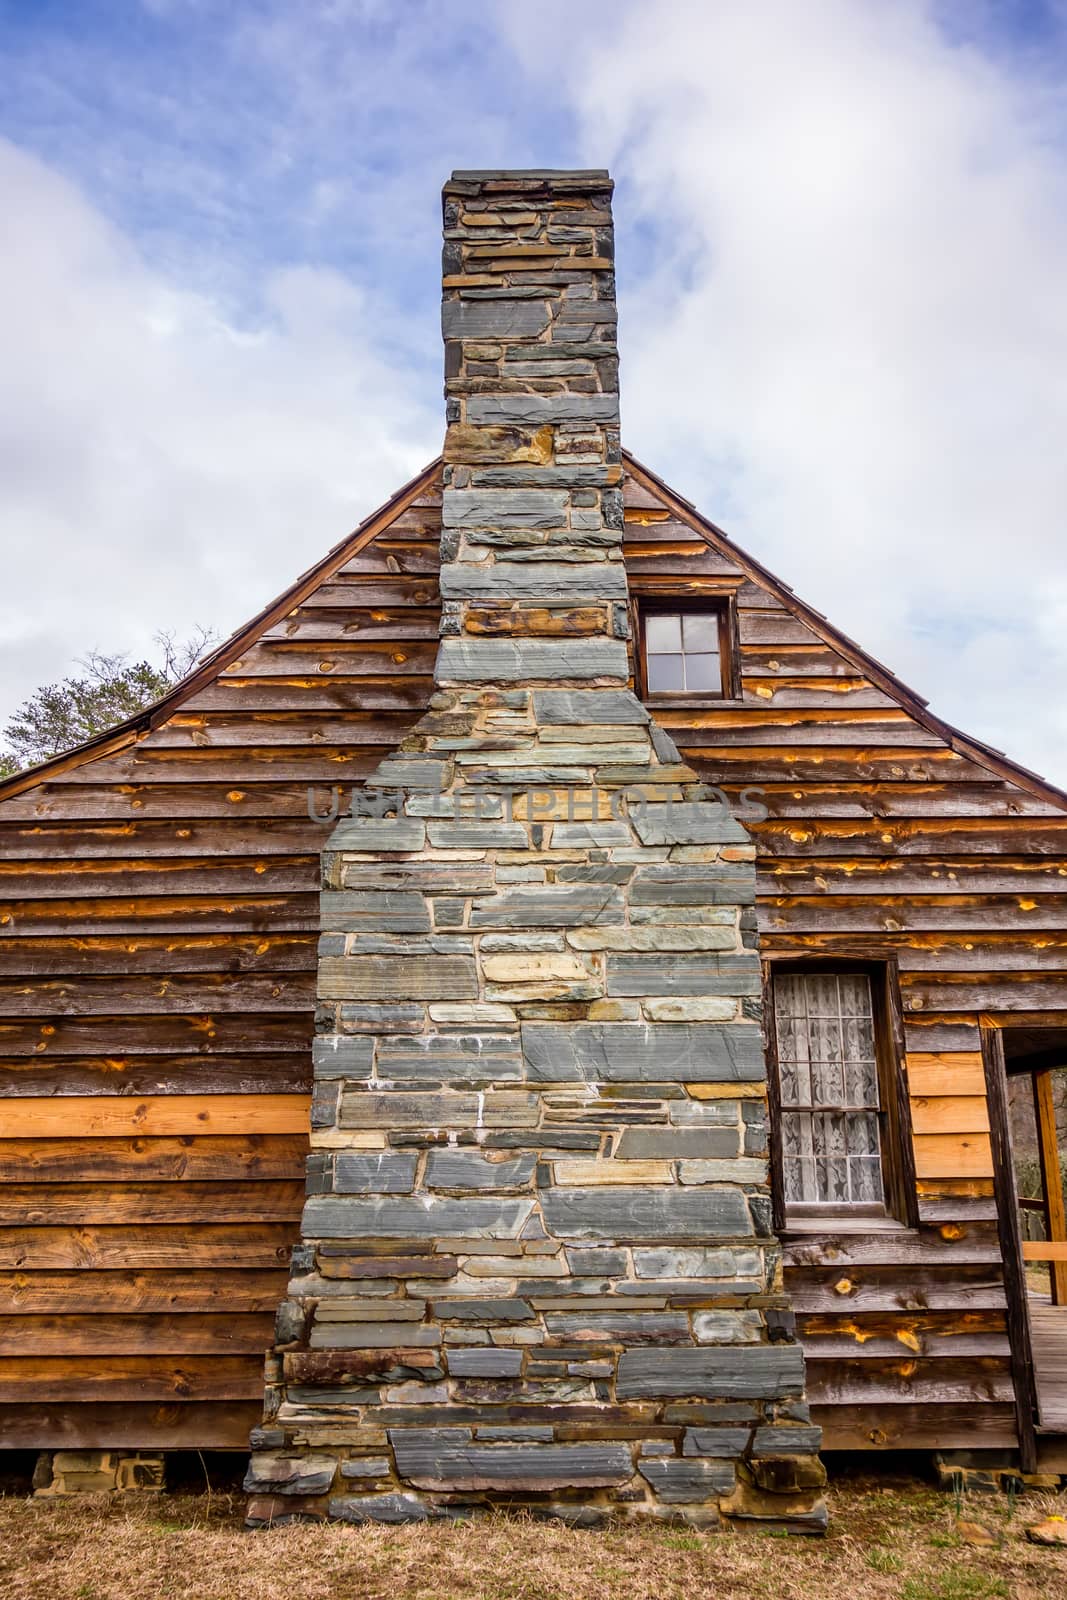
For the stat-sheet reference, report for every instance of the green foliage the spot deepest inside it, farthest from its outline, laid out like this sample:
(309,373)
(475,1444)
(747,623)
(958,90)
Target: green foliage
(110,689)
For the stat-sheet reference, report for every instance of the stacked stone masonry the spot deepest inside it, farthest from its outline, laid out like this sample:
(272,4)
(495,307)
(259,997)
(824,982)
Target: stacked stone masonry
(537,1262)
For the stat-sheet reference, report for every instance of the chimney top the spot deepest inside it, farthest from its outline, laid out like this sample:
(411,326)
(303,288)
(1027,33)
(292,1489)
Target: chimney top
(523,178)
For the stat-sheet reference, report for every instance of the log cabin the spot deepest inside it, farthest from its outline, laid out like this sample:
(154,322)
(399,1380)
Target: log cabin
(612,1159)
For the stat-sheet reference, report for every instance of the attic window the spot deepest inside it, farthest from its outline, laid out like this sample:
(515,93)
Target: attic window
(685,649)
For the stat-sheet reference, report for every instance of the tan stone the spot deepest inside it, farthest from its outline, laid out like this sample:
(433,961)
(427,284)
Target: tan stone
(335,1139)
(650,937)
(525,967)
(614,1011)
(535,622)
(584,1173)
(690,1010)
(467,443)
(475,1014)
(975,1533)
(726,1091)
(1052,1531)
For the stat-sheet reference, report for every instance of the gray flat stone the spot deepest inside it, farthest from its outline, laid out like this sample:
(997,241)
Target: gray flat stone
(333,1217)
(475,835)
(342,1055)
(468,1308)
(524,661)
(504,508)
(537,409)
(402,834)
(621,1212)
(787,1439)
(352,911)
(545,580)
(493,319)
(676,973)
(675,1144)
(758,1372)
(722,1443)
(688,822)
(451,1058)
(431,1459)
(377,1508)
(588,707)
(549,906)
(486,1363)
(296,1474)
(625,1052)
(678,1482)
(374,1172)
(672,884)
(467,1169)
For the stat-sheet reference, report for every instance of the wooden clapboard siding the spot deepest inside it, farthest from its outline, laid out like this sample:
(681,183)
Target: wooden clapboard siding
(158,929)
(158,926)
(888,837)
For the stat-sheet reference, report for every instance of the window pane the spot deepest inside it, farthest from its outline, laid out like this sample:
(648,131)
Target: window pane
(663,633)
(828,1071)
(665,673)
(700,632)
(704,673)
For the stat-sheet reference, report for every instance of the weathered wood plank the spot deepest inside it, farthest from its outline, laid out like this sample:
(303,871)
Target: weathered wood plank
(53,1379)
(216,1289)
(110,1116)
(86,995)
(957,1072)
(194,1333)
(953,1155)
(146,1247)
(85,1204)
(924,1426)
(945,1114)
(141,1076)
(103,1425)
(205,1157)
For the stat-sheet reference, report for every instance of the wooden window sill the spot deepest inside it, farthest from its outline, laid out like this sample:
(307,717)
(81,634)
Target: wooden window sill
(680,702)
(843,1223)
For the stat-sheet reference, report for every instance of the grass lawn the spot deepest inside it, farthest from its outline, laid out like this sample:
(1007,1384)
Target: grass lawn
(895,1542)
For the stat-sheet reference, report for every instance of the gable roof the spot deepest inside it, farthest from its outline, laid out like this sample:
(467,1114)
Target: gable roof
(213,665)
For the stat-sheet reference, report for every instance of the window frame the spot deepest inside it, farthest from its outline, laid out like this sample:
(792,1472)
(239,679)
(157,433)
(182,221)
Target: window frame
(724,607)
(901,1208)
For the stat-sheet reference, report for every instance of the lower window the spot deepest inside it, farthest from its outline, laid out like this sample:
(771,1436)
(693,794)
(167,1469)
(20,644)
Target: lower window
(839,1138)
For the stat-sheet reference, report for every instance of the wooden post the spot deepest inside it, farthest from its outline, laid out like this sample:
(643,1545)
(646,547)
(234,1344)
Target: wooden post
(1051,1178)
(1022,1366)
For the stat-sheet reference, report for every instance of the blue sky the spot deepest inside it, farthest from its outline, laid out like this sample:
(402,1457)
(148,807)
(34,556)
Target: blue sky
(842,238)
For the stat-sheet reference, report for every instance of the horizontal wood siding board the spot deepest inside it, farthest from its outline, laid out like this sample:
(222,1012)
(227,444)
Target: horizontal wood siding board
(117,1425)
(175,1292)
(953,1155)
(152,1076)
(195,1333)
(922,1426)
(211,1157)
(78,1378)
(86,1204)
(102,1116)
(146,1247)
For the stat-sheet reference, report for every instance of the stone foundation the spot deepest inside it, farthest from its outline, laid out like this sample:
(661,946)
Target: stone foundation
(81,1472)
(538,1265)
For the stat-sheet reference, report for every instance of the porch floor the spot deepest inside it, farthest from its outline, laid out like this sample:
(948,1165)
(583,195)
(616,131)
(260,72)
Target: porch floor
(1048,1328)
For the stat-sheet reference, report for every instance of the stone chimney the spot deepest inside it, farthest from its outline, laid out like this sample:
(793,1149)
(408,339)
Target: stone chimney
(537,1265)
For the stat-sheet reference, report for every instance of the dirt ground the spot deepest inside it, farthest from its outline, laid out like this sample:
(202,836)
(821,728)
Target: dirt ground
(900,1542)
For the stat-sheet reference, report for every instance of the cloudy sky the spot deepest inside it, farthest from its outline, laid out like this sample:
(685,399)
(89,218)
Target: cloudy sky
(842,241)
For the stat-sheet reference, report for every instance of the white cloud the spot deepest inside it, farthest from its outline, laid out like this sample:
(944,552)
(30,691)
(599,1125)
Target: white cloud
(852,345)
(159,466)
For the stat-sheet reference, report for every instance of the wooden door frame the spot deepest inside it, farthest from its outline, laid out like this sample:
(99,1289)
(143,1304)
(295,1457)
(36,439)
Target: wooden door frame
(1011,1247)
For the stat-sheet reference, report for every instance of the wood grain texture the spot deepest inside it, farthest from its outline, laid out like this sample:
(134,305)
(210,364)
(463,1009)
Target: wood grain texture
(157,935)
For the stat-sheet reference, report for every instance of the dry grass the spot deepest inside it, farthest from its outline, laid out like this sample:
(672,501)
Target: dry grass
(887,1544)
